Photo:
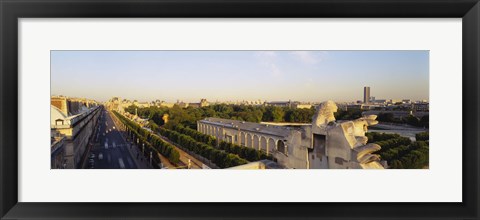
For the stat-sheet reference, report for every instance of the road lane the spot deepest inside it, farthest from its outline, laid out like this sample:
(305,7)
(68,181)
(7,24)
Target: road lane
(110,149)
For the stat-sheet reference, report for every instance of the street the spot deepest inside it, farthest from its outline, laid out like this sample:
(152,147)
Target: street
(110,151)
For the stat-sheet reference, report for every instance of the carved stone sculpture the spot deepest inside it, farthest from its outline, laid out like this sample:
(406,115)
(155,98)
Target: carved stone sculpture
(324,115)
(346,143)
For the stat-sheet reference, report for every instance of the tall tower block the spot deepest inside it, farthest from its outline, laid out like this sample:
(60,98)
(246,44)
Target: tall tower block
(366,94)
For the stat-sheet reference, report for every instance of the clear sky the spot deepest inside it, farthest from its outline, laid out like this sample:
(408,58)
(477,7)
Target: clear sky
(240,75)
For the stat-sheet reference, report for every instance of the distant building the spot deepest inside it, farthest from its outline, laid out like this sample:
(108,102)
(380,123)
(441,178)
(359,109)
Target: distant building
(181,104)
(115,104)
(396,114)
(302,106)
(366,94)
(380,101)
(394,101)
(353,106)
(289,104)
(371,106)
(71,106)
(141,104)
(202,103)
(363,106)
(421,107)
(279,103)
(167,105)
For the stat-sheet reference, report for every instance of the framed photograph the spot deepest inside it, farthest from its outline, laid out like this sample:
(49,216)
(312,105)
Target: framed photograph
(226,109)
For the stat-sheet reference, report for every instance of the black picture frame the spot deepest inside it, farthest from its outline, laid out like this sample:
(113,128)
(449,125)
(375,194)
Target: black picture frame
(12,10)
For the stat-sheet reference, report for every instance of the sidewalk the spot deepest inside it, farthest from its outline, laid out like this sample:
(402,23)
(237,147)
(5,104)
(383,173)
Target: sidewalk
(140,160)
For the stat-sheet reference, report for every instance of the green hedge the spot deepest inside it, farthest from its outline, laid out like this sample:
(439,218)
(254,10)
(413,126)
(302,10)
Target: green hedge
(393,143)
(416,158)
(152,142)
(246,153)
(422,136)
(220,158)
(198,136)
(376,136)
(400,152)
(249,154)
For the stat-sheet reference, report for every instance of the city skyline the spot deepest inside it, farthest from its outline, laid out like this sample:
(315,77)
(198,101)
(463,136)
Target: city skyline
(306,76)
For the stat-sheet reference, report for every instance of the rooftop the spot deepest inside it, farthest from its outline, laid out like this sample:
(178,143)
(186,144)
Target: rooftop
(279,131)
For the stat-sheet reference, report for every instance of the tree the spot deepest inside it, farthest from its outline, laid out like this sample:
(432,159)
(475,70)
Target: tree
(422,136)
(396,164)
(385,117)
(273,113)
(412,120)
(278,115)
(424,121)
(174,156)
(349,114)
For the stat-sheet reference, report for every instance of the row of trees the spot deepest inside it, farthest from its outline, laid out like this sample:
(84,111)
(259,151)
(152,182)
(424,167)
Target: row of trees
(153,142)
(411,120)
(350,114)
(246,153)
(249,154)
(188,117)
(376,137)
(221,158)
(164,148)
(400,152)
(198,136)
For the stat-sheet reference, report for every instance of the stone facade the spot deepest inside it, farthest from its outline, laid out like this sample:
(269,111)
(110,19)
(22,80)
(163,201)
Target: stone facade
(75,133)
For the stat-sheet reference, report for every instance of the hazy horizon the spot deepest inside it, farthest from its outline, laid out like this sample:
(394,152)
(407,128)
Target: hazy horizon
(188,76)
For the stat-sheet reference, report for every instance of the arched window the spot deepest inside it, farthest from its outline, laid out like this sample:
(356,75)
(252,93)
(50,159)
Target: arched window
(242,139)
(256,142)
(281,147)
(271,145)
(263,144)
(249,140)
